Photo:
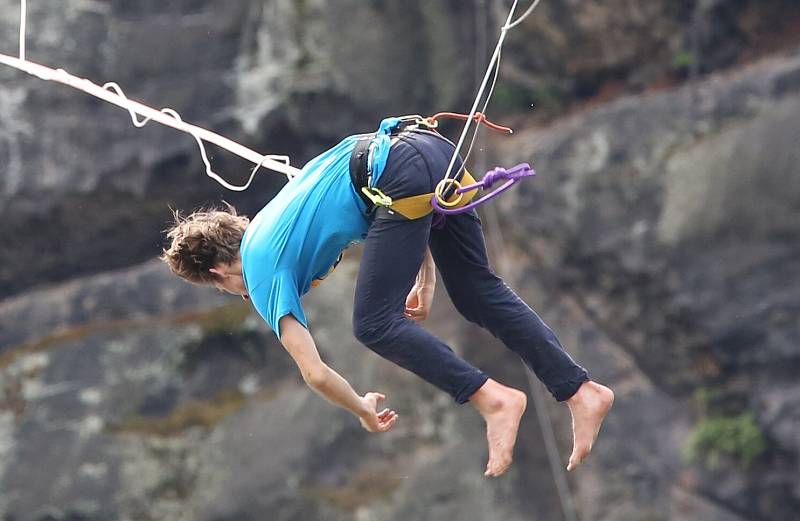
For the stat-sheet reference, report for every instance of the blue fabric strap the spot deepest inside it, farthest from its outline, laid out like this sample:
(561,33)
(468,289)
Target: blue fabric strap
(379,148)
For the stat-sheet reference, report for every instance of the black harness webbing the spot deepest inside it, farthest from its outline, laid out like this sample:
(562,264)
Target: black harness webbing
(361,177)
(359,173)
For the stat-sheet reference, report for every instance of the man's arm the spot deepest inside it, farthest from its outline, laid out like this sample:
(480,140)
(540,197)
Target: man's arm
(298,342)
(420,298)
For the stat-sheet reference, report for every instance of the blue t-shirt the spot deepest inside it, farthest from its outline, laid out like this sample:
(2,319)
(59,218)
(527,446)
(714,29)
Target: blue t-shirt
(298,236)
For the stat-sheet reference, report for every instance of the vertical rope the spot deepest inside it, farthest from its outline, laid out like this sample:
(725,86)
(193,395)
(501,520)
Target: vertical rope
(22,15)
(559,476)
(492,70)
(489,70)
(496,242)
(495,236)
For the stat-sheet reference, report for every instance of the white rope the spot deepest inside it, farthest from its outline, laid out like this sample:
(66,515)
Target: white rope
(495,58)
(209,172)
(112,93)
(523,17)
(483,110)
(23,7)
(494,66)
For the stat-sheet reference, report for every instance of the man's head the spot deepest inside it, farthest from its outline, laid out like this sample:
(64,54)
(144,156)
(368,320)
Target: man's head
(205,245)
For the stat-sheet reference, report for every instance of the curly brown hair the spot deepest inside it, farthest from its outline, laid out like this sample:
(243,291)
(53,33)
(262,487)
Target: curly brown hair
(202,240)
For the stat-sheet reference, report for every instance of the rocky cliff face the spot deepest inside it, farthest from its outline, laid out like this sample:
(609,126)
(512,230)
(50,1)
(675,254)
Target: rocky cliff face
(277,76)
(665,229)
(659,239)
(293,77)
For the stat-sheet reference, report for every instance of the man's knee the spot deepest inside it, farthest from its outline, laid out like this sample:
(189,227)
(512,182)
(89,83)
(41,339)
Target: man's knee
(366,329)
(374,331)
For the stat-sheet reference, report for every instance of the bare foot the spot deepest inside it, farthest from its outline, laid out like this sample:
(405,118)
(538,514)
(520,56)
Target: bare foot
(588,407)
(501,408)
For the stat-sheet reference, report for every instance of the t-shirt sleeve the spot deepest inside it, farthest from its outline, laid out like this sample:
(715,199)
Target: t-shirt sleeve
(278,298)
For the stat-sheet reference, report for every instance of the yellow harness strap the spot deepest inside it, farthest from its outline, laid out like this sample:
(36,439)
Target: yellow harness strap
(418,206)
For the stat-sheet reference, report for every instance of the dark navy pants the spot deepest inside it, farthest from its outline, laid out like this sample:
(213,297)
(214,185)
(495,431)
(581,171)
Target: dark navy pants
(393,252)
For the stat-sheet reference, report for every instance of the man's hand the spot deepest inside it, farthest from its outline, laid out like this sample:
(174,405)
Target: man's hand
(330,384)
(420,298)
(375,421)
(419,301)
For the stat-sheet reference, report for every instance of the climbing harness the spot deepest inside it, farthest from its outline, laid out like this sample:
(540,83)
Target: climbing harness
(451,195)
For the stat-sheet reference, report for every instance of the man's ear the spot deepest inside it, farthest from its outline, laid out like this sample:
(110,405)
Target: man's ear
(218,273)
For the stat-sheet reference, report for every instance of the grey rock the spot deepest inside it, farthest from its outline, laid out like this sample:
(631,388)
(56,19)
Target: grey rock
(659,240)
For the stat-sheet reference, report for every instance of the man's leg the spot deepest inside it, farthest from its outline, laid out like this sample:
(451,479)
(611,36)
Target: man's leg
(483,298)
(393,253)
(392,256)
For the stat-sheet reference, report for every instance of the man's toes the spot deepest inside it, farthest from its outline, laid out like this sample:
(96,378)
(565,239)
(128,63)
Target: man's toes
(497,467)
(502,469)
(571,465)
(575,460)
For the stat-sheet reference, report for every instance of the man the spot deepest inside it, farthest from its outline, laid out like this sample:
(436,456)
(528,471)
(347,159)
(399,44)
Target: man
(297,239)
